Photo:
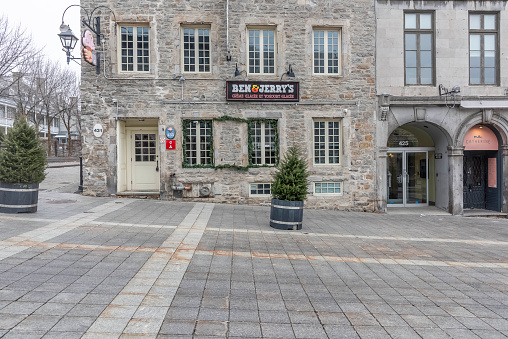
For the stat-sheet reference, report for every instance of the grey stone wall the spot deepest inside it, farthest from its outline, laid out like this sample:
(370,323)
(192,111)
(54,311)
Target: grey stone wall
(164,96)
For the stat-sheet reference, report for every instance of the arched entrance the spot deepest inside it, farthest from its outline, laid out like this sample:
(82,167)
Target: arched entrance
(482,169)
(410,176)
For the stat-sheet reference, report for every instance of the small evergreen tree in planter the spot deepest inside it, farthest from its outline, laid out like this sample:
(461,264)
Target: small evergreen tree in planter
(22,165)
(289,190)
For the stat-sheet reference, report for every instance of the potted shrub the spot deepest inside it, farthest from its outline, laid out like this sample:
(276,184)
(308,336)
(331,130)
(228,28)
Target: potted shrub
(22,165)
(289,190)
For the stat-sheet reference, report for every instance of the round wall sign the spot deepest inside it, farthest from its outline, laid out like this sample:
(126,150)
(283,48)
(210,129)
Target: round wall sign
(97,130)
(170,132)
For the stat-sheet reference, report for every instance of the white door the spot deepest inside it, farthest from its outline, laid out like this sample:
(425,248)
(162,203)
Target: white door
(144,160)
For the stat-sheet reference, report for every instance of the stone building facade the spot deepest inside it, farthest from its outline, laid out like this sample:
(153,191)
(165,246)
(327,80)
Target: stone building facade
(442,87)
(164,125)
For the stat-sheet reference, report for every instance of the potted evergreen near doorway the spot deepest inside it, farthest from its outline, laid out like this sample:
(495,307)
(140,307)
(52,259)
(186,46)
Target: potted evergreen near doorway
(289,190)
(22,165)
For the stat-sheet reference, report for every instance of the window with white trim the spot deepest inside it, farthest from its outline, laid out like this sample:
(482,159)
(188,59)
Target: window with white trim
(264,142)
(261,49)
(327,141)
(327,51)
(134,48)
(11,112)
(260,189)
(198,142)
(327,188)
(196,49)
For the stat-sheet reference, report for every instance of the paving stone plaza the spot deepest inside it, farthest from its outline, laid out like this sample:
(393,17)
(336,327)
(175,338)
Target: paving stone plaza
(84,267)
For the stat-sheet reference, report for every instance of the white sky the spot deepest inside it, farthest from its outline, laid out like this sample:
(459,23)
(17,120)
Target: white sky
(42,20)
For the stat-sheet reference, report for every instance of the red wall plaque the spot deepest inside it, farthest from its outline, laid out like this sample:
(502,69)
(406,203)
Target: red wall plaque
(170,144)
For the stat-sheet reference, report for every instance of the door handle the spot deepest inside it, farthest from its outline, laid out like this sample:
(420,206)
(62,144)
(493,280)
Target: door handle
(157,168)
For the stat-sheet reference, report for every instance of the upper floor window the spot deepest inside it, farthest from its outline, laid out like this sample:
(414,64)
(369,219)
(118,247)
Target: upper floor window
(135,48)
(419,48)
(261,49)
(264,142)
(327,51)
(196,49)
(327,141)
(483,51)
(198,142)
(11,112)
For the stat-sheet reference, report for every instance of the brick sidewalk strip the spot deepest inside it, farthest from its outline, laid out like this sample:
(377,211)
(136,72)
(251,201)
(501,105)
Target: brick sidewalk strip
(150,293)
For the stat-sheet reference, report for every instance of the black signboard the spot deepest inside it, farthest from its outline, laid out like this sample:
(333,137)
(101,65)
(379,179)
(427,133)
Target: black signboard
(262,91)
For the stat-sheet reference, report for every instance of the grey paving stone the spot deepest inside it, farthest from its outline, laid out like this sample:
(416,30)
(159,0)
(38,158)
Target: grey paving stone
(461,333)
(489,334)
(361,319)
(182,313)
(418,321)
(274,330)
(177,327)
(244,329)
(8,321)
(278,317)
(213,314)
(297,317)
(68,298)
(405,332)
(211,328)
(432,333)
(498,324)
(37,322)
(371,332)
(54,309)
(341,332)
(20,307)
(16,334)
(63,335)
(474,323)
(85,310)
(309,331)
(237,315)
(71,324)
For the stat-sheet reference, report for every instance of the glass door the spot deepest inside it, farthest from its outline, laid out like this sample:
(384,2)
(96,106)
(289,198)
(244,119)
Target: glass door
(407,178)
(395,178)
(416,178)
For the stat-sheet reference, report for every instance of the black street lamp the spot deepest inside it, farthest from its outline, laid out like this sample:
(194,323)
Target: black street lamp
(69,40)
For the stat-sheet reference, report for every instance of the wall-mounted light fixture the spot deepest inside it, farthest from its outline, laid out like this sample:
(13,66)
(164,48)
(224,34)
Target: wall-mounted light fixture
(238,73)
(69,40)
(444,91)
(289,73)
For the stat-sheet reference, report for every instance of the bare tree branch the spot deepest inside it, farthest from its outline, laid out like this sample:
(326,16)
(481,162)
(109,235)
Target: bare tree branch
(16,48)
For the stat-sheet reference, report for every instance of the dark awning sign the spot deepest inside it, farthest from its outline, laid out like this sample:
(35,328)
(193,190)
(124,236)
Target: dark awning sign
(262,91)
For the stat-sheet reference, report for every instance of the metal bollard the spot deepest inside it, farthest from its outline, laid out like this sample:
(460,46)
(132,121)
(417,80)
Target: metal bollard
(80,188)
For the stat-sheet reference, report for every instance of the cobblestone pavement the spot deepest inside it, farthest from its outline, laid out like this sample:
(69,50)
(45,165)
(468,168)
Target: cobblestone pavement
(84,267)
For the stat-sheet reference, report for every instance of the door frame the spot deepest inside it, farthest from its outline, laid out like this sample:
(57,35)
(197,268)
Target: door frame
(129,131)
(404,151)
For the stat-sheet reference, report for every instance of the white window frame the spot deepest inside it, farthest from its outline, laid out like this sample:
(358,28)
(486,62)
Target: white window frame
(134,49)
(262,30)
(263,142)
(341,188)
(327,141)
(326,31)
(196,43)
(199,149)
(255,195)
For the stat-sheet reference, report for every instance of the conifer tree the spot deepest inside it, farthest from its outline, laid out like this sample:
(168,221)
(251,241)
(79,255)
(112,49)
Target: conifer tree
(290,181)
(22,159)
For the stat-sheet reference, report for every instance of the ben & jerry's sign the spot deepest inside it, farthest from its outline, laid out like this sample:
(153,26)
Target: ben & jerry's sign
(262,91)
